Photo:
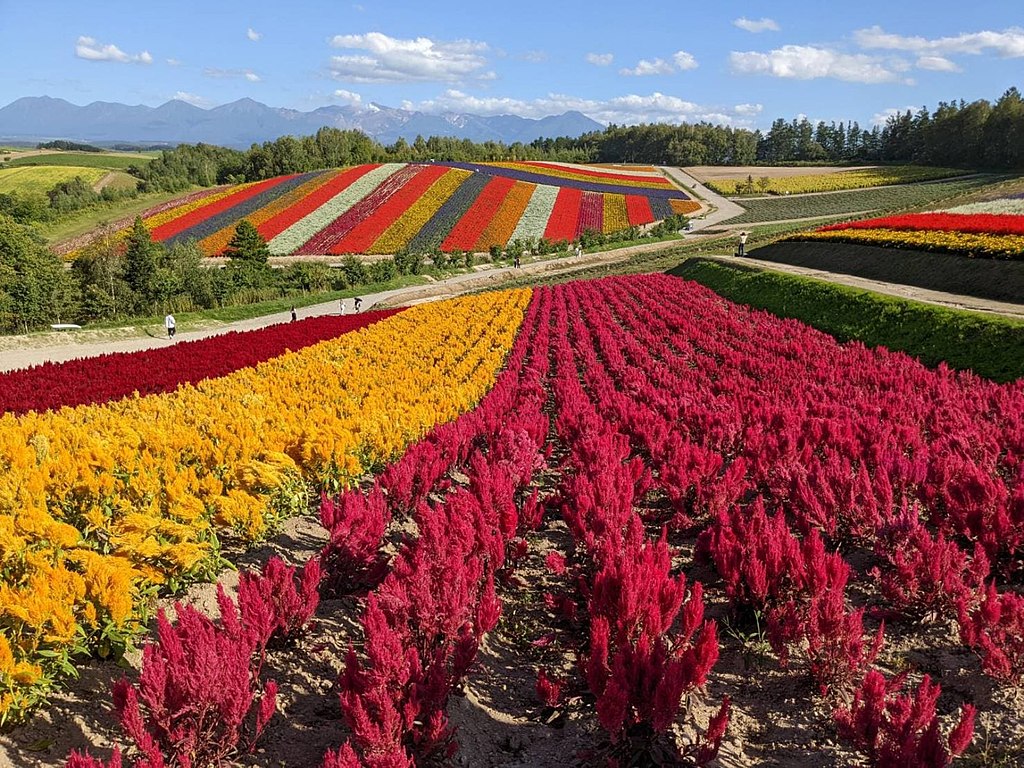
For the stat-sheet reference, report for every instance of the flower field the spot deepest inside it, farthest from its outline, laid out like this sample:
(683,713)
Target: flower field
(830,182)
(665,511)
(102,505)
(381,209)
(993,229)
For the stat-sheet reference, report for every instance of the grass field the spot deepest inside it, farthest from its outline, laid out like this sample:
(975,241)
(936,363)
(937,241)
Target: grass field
(93,218)
(876,200)
(112,162)
(36,180)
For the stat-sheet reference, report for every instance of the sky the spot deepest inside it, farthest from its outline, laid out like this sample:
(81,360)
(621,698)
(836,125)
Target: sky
(737,63)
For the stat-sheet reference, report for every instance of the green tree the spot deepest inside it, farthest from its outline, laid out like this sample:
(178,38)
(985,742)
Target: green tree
(248,256)
(141,258)
(35,289)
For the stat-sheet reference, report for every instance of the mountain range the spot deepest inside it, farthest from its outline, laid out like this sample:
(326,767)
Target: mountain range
(243,122)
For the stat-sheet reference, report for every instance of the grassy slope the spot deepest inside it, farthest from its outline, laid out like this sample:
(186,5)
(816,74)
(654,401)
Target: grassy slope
(87,221)
(112,162)
(878,199)
(36,180)
(990,346)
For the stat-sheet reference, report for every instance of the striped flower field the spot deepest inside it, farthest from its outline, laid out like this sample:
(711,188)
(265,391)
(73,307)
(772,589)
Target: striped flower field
(991,228)
(384,208)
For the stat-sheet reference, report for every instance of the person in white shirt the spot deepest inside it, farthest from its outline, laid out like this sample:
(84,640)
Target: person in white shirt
(743,243)
(169,325)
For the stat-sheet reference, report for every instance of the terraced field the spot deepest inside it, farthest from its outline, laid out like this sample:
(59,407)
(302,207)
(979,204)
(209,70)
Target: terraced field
(837,203)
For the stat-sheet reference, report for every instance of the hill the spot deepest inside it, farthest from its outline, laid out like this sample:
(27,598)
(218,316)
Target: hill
(246,121)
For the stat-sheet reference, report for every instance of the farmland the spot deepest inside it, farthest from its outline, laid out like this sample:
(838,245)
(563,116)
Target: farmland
(837,203)
(118,161)
(36,180)
(384,208)
(789,181)
(584,535)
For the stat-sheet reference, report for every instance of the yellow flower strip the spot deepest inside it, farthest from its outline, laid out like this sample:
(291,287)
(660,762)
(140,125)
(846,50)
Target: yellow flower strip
(1000,246)
(615,218)
(100,503)
(505,221)
(406,226)
(684,206)
(833,182)
(656,182)
(218,241)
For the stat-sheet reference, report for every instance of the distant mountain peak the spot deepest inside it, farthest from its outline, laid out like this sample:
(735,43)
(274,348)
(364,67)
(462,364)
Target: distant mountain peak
(246,121)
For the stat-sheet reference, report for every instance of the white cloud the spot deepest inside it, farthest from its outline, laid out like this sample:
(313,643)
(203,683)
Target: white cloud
(880,118)
(193,99)
(645,67)
(756,26)
(600,59)
(174,62)
(253,35)
(89,49)
(391,60)
(348,97)
(623,110)
(535,57)
(806,62)
(1008,44)
(937,64)
(684,60)
(218,73)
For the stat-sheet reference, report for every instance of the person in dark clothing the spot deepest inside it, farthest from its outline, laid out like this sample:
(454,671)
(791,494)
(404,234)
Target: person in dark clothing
(294,316)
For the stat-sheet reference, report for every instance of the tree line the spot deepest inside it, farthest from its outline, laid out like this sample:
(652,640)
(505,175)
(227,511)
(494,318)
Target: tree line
(978,134)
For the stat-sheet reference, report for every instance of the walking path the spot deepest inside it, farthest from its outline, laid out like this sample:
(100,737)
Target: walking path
(725,209)
(24,351)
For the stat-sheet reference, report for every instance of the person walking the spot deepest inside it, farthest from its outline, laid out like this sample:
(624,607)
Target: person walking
(743,244)
(294,315)
(341,306)
(359,303)
(515,261)
(169,325)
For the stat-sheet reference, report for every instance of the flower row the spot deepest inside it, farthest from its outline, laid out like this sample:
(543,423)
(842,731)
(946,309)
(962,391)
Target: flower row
(119,374)
(830,182)
(993,246)
(382,209)
(102,504)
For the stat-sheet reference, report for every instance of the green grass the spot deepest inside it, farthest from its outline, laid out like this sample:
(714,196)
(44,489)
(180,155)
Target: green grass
(990,346)
(838,203)
(93,218)
(36,180)
(112,162)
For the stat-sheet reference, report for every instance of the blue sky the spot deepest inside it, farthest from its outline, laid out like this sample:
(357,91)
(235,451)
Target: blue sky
(742,63)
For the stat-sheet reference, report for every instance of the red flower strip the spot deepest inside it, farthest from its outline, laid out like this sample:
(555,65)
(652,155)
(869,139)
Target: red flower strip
(563,220)
(974,223)
(332,186)
(467,231)
(110,377)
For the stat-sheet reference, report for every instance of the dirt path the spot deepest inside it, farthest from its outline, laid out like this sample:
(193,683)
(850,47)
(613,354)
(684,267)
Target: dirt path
(723,208)
(24,351)
(104,182)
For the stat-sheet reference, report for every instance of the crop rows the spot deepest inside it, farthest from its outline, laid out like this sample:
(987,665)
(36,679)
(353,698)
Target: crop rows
(834,204)
(834,182)
(102,505)
(989,229)
(382,209)
(818,486)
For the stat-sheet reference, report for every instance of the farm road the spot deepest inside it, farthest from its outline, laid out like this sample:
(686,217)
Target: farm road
(24,351)
(726,209)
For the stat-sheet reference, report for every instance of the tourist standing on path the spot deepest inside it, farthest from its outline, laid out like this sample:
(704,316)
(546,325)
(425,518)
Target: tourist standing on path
(169,325)
(294,316)
(743,244)
(341,306)
(515,261)
(359,303)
